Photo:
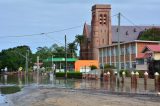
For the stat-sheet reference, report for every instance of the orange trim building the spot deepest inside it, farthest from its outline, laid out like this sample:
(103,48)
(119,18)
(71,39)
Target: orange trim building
(85,63)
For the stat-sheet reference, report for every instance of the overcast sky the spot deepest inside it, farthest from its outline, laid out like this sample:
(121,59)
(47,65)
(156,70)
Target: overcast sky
(26,17)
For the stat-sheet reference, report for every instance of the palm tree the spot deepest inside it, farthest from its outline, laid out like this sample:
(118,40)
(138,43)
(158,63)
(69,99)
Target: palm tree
(72,49)
(80,39)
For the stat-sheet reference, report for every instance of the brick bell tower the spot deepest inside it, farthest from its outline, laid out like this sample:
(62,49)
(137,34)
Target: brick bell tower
(101,28)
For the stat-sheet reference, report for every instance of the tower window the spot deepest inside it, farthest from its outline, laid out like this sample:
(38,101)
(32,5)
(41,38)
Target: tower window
(100,15)
(104,21)
(126,33)
(117,29)
(105,17)
(135,30)
(103,41)
(101,19)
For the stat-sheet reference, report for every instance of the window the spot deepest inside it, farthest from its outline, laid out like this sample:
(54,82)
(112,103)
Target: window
(117,30)
(104,19)
(112,64)
(134,30)
(112,52)
(127,65)
(133,51)
(122,50)
(100,18)
(140,61)
(127,50)
(116,64)
(116,50)
(100,53)
(100,21)
(103,52)
(126,33)
(133,64)
(108,52)
(122,65)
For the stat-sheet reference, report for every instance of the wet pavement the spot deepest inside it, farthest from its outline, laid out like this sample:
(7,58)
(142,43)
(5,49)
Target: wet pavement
(14,83)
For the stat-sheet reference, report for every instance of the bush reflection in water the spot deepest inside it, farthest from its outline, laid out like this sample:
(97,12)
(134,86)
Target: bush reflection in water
(14,83)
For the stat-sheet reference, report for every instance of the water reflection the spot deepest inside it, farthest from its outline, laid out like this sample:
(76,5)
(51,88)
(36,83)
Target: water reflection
(16,81)
(9,89)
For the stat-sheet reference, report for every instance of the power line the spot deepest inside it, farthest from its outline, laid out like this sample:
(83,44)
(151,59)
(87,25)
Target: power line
(131,22)
(42,32)
(46,35)
(114,15)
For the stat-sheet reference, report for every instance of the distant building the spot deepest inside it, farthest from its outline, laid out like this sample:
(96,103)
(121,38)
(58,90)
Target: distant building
(149,59)
(131,56)
(101,35)
(84,65)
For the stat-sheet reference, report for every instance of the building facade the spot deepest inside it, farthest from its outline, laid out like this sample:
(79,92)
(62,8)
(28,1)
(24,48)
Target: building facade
(84,65)
(101,28)
(101,40)
(102,33)
(130,55)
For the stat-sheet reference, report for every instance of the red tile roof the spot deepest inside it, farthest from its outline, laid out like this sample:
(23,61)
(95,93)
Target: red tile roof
(154,48)
(140,56)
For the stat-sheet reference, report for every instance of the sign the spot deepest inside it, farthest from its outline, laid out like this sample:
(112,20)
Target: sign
(20,69)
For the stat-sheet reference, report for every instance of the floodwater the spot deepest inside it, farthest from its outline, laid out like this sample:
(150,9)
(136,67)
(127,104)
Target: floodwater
(14,83)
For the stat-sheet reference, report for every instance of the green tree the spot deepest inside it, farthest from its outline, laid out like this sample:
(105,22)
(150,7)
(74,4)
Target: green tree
(13,58)
(72,50)
(152,34)
(107,66)
(80,39)
(54,50)
(93,67)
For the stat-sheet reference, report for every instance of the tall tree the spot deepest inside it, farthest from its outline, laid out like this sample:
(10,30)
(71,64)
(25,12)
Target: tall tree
(72,50)
(13,58)
(80,39)
(152,34)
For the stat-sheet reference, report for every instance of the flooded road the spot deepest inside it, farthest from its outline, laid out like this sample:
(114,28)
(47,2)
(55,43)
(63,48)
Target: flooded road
(14,83)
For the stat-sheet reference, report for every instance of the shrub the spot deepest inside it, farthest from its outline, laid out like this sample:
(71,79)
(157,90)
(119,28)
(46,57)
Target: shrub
(106,66)
(141,73)
(93,67)
(126,71)
(77,75)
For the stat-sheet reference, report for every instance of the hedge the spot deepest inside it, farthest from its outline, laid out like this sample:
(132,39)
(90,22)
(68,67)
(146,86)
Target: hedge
(127,72)
(77,75)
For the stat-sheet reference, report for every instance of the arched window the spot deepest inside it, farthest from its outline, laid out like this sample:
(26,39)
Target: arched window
(101,19)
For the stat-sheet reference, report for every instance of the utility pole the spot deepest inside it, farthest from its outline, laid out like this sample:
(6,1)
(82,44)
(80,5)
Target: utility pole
(26,64)
(102,61)
(118,70)
(65,57)
(26,72)
(52,65)
(37,70)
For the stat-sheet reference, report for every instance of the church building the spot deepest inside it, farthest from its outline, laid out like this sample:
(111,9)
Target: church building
(101,40)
